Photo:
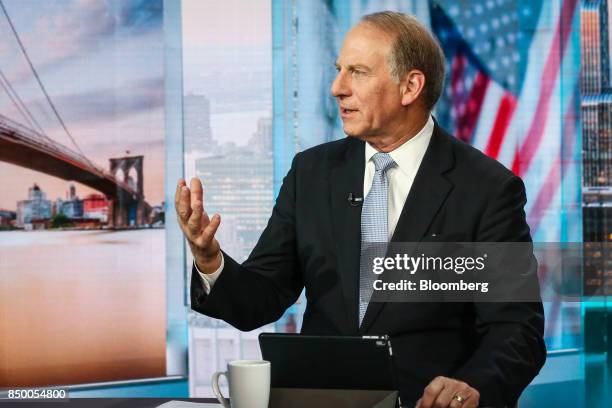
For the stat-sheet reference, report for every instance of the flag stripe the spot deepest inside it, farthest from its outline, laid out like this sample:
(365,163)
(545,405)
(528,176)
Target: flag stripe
(467,121)
(457,73)
(490,105)
(502,120)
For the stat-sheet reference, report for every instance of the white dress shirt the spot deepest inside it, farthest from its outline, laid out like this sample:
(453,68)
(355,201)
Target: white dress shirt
(408,158)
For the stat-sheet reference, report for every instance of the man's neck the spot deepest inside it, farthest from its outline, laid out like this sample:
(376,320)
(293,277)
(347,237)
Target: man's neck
(389,143)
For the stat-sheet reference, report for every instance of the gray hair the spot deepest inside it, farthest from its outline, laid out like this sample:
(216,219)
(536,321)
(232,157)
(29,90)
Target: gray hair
(414,47)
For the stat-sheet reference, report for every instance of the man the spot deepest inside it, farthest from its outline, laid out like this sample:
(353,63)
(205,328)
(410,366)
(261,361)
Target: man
(415,182)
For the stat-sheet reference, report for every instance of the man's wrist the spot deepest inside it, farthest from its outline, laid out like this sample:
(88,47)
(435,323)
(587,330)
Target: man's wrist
(208,267)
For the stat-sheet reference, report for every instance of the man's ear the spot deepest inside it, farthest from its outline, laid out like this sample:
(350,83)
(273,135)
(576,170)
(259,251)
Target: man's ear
(411,86)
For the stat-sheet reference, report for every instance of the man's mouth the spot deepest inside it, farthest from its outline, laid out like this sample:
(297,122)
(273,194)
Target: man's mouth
(345,112)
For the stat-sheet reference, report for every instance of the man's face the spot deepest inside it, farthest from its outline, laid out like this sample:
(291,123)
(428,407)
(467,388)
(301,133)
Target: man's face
(369,101)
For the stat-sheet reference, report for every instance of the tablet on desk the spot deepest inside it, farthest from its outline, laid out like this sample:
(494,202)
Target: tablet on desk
(343,369)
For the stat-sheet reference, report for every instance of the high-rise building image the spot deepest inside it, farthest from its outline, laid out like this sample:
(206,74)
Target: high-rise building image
(239,186)
(36,207)
(261,141)
(7,219)
(597,147)
(197,134)
(72,207)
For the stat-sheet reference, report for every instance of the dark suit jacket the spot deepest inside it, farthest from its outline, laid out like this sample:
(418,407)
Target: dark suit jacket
(312,241)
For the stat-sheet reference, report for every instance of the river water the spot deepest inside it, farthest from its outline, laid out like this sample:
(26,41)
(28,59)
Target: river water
(81,306)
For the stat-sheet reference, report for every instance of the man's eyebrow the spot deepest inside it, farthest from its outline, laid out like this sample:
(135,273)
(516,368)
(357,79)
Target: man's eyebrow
(355,66)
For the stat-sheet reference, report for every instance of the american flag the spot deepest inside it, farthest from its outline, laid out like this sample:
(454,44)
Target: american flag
(512,91)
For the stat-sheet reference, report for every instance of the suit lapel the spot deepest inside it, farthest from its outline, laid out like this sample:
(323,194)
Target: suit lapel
(429,190)
(347,177)
(427,194)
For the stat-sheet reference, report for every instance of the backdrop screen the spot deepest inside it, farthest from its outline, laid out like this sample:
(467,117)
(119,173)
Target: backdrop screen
(82,276)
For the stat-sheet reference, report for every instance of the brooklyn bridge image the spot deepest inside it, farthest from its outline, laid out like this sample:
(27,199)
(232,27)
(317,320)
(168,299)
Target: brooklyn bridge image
(27,148)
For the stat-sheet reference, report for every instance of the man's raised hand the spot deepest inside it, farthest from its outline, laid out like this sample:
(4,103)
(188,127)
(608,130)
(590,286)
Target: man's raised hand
(198,228)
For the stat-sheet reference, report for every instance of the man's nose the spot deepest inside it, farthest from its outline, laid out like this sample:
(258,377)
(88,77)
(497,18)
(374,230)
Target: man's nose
(340,87)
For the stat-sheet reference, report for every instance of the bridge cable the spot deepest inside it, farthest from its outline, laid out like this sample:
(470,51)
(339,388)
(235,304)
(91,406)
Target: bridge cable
(42,87)
(12,98)
(18,102)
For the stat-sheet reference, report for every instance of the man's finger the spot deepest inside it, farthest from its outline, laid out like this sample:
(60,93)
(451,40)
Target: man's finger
(472,402)
(183,207)
(446,397)
(198,195)
(431,392)
(177,192)
(467,400)
(196,190)
(195,222)
(471,395)
(208,234)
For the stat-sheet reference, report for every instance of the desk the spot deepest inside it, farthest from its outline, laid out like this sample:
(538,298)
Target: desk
(115,403)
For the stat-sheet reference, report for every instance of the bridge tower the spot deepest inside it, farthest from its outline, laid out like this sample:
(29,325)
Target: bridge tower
(128,210)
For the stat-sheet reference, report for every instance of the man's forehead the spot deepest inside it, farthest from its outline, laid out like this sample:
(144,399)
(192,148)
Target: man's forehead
(361,50)
(363,44)
(368,33)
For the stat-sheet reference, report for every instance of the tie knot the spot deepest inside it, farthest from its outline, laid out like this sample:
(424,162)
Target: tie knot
(382,161)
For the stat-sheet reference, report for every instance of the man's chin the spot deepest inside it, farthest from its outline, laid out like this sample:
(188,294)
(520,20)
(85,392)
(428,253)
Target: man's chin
(351,132)
(356,135)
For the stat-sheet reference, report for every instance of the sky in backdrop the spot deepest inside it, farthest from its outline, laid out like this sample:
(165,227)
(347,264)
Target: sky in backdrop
(227,57)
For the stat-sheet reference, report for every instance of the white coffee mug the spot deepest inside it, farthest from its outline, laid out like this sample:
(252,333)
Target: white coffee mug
(249,384)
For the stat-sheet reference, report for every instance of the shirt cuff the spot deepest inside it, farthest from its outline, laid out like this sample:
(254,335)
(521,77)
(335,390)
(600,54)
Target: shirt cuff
(208,279)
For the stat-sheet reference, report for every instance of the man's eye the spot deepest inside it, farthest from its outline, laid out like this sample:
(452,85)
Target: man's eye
(355,72)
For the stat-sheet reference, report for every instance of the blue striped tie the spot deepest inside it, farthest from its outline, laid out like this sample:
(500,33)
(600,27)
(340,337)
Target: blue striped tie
(374,228)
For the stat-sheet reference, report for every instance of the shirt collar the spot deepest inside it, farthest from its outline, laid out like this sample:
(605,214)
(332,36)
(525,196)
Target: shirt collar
(410,153)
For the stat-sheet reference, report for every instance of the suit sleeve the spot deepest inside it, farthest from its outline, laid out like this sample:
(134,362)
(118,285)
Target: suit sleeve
(258,292)
(511,349)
